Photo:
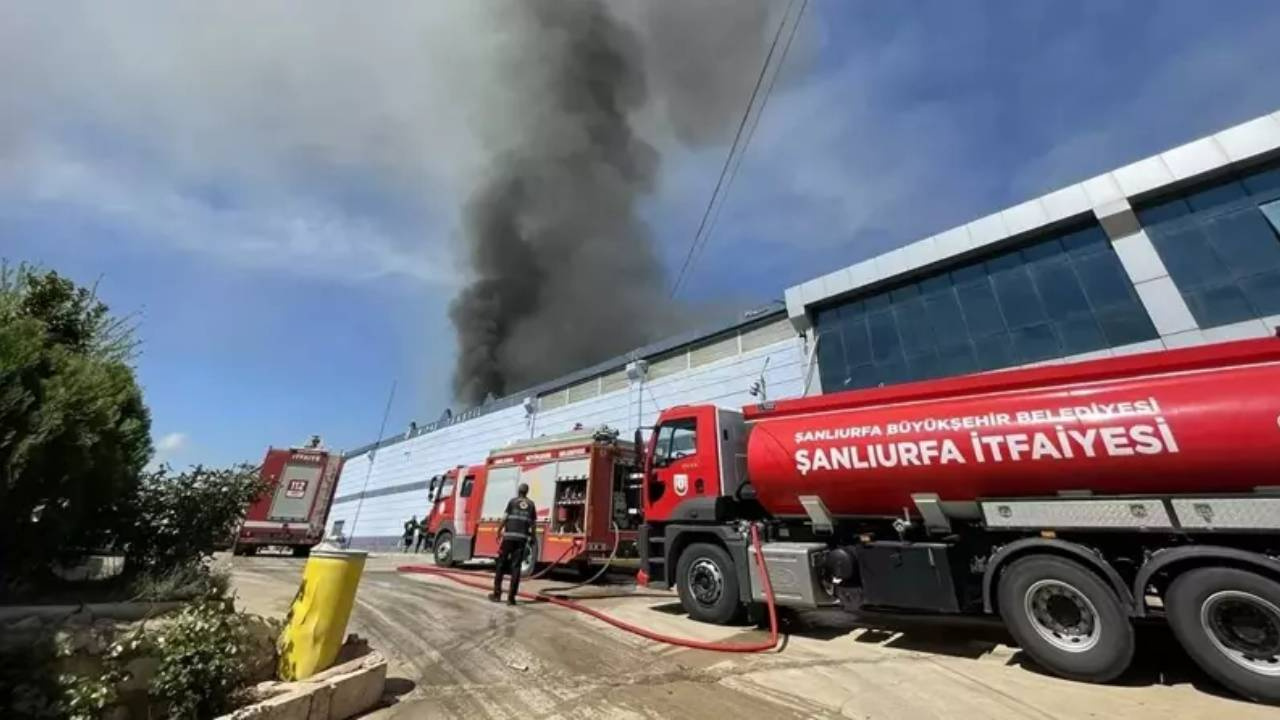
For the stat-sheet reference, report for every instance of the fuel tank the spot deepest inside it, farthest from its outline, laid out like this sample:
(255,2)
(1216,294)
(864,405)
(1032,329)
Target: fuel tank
(1196,420)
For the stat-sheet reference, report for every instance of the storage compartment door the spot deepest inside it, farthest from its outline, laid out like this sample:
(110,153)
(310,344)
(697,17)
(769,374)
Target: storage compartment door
(295,492)
(908,576)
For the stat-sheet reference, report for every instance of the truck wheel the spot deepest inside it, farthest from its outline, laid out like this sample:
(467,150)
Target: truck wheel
(1066,618)
(529,561)
(442,550)
(1228,621)
(301,551)
(708,584)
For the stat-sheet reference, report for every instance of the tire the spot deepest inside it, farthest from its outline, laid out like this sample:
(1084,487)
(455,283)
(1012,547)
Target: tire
(529,561)
(250,550)
(1228,621)
(708,584)
(442,549)
(301,551)
(1066,618)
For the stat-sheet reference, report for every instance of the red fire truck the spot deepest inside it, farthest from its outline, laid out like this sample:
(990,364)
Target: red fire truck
(581,482)
(293,511)
(1068,500)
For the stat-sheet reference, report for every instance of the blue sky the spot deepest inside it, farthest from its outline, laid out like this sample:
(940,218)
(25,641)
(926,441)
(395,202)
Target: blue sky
(274,194)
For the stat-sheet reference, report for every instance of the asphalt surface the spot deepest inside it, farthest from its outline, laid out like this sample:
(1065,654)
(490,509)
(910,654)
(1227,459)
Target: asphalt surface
(454,654)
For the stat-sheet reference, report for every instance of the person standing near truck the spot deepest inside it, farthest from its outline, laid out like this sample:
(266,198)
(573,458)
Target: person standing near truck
(410,527)
(517,532)
(422,536)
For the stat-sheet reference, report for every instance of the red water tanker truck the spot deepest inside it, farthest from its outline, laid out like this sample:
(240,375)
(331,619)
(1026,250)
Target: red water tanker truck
(1069,500)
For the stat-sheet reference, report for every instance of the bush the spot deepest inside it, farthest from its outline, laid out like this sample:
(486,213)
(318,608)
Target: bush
(204,660)
(185,582)
(74,432)
(197,663)
(179,520)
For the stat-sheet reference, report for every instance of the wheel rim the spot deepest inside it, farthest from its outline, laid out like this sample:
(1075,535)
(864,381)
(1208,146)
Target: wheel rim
(1062,616)
(1245,628)
(444,548)
(706,582)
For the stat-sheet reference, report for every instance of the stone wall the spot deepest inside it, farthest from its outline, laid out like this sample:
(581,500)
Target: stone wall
(92,641)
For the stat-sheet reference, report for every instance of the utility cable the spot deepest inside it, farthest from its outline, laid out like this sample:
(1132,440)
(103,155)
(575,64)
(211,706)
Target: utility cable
(751,132)
(733,148)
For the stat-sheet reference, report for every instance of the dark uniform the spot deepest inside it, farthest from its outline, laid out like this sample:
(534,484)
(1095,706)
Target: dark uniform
(517,532)
(409,527)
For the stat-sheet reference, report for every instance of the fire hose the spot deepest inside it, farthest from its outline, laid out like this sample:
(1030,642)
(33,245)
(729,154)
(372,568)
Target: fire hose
(463,578)
(555,563)
(560,591)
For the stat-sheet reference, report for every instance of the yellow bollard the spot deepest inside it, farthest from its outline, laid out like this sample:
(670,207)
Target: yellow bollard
(317,622)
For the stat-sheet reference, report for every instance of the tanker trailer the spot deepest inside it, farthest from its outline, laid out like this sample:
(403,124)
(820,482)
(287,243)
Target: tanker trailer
(1067,500)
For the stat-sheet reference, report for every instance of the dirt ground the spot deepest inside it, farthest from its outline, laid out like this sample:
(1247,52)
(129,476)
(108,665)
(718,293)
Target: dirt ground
(454,654)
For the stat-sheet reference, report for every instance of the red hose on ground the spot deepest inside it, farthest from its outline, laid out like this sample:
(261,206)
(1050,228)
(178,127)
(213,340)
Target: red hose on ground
(461,577)
(555,563)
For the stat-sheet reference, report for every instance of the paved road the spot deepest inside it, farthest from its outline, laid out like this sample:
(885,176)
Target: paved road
(453,654)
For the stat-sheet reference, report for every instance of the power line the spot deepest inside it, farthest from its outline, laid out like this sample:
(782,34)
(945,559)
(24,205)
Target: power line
(373,454)
(724,171)
(751,132)
(734,147)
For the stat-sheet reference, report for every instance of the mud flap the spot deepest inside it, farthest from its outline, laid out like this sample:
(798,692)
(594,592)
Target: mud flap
(462,547)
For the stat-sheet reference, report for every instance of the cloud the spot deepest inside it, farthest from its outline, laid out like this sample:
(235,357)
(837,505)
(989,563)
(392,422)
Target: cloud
(918,120)
(313,135)
(171,442)
(334,138)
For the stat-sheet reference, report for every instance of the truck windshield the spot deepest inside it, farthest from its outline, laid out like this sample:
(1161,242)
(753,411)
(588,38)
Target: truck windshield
(676,439)
(446,490)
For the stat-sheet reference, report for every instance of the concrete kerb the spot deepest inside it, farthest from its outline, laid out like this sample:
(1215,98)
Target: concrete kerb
(122,611)
(340,692)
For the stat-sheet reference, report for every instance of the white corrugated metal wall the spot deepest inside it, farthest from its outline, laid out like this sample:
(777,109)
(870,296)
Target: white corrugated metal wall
(718,370)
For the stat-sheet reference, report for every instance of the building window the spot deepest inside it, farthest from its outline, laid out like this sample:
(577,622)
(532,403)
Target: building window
(1221,245)
(1057,296)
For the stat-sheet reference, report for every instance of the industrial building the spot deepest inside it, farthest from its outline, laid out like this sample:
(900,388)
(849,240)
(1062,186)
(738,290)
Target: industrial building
(1177,249)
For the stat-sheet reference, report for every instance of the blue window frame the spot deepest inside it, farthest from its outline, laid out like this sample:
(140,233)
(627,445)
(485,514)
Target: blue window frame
(1057,296)
(1221,245)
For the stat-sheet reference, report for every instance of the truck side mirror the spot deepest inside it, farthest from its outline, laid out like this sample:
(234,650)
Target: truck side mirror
(638,441)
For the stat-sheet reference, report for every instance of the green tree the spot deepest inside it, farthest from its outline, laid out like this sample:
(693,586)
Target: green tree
(74,431)
(176,521)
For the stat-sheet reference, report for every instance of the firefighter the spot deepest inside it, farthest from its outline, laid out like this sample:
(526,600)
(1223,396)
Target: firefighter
(422,535)
(517,533)
(410,526)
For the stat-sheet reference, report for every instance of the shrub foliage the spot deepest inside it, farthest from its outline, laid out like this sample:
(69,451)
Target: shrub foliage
(74,431)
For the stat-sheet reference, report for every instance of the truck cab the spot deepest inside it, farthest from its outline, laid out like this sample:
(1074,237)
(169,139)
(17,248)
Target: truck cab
(693,472)
(439,502)
(695,459)
(448,516)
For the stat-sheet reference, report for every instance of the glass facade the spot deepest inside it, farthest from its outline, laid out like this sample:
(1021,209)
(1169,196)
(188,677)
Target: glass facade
(1221,245)
(1058,296)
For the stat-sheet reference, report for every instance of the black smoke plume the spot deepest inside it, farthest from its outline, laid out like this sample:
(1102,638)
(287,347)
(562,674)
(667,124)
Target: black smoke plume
(564,273)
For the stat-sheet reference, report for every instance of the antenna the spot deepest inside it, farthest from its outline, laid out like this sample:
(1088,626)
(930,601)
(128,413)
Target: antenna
(373,454)
(760,388)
